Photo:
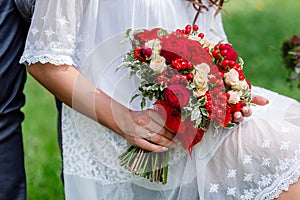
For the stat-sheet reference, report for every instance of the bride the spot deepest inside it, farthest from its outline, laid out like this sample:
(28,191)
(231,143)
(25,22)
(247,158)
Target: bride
(73,48)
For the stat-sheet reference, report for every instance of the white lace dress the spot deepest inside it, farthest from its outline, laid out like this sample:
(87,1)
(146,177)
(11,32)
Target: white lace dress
(257,160)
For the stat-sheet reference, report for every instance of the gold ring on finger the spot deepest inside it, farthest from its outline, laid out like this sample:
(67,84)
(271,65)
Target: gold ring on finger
(149,135)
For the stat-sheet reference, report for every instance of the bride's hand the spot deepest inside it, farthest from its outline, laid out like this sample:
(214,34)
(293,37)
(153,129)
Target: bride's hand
(147,131)
(246,110)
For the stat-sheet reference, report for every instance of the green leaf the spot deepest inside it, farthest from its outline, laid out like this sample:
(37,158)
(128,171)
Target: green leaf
(128,31)
(143,103)
(133,97)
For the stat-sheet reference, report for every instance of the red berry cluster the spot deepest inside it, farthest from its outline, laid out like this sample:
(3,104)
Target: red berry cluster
(191,30)
(217,98)
(184,67)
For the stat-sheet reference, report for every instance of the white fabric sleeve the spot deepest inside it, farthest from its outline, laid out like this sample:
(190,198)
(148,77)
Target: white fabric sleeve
(53,32)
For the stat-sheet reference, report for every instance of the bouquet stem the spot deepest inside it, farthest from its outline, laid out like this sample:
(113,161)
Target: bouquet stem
(150,165)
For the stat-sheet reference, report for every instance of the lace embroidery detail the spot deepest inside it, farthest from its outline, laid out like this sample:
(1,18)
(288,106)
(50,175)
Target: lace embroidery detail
(55,60)
(282,184)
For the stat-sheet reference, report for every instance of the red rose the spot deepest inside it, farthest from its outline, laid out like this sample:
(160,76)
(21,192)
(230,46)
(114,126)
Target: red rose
(173,47)
(171,115)
(178,45)
(177,95)
(185,131)
(147,35)
(188,135)
(196,54)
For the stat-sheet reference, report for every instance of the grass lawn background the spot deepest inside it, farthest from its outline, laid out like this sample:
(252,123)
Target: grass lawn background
(256,29)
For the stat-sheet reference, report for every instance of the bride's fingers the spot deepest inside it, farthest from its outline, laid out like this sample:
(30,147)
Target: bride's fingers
(237,117)
(147,145)
(157,128)
(159,139)
(259,100)
(246,111)
(154,123)
(157,117)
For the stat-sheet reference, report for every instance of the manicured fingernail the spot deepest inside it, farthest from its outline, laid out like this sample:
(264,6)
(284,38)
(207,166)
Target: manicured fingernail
(267,101)
(238,116)
(164,149)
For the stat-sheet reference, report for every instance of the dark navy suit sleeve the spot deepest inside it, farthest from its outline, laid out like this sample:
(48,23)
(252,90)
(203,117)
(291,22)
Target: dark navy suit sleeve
(13,31)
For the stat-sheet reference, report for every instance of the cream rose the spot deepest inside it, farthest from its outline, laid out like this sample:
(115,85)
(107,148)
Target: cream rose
(235,96)
(206,43)
(202,68)
(200,80)
(200,92)
(242,85)
(158,64)
(232,77)
(154,45)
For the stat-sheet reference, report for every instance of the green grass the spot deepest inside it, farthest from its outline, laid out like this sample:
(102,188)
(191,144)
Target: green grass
(256,28)
(42,155)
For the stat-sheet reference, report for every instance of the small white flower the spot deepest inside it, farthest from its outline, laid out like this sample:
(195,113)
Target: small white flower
(248,177)
(266,162)
(231,191)
(39,44)
(266,144)
(62,21)
(49,32)
(265,180)
(247,159)
(214,188)
(285,145)
(248,195)
(158,64)
(34,31)
(231,173)
(283,165)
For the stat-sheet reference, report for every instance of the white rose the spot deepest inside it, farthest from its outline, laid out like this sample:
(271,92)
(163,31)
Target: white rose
(242,85)
(232,77)
(200,80)
(200,92)
(154,45)
(158,64)
(234,96)
(202,68)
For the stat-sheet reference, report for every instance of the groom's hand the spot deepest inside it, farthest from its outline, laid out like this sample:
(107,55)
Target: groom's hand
(246,110)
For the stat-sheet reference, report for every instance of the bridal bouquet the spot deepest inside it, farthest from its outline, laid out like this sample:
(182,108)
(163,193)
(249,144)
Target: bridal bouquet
(194,83)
